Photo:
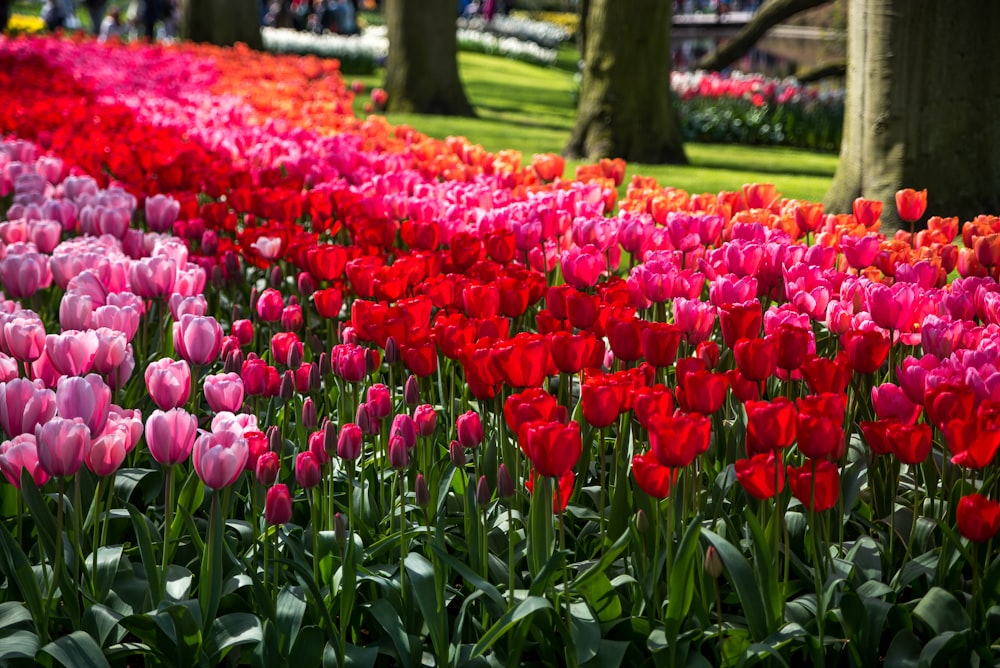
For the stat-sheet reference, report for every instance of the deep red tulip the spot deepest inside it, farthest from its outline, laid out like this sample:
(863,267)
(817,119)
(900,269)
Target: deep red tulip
(530,405)
(825,375)
(676,440)
(650,401)
(420,356)
(762,476)
(978,518)
(267,468)
(660,342)
(911,443)
(307,470)
(949,401)
(701,391)
(601,401)
(571,353)
(866,349)
(770,425)
(624,337)
(469,428)
(553,448)
(740,321)
(743,388)
(756,359)
(792,343)
(709,353)
(877,435)
(972,441)
(820,437)
(816,484)
(652,477)
(278,505)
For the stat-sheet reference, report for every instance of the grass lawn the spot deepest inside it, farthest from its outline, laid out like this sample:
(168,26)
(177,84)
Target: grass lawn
(531,109)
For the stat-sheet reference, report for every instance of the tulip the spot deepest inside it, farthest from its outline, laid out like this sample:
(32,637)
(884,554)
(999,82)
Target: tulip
(816,485)
(757,359)
(268,467)
(170,435)
(770,425)
(62,445)
(270,304)
(866,349)
(106,453)
(911,204)
(911,443)
(676,440)
(278,505)
(404,427)
(219,458)
(72,352)
(652,477)
(762,476)
(978,518)
(399,454)
(197,339)
(379,401)
(470,429)
(350,441)
(20,454)
(169,382)
(425,417)
(86,398)
(24,405)
(161,212)
(224,392)
(552,447)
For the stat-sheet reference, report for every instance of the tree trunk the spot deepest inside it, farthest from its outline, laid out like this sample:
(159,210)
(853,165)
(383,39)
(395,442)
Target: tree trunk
(626,110)
(769,15)
(421,72)
(921,107)
(222,22)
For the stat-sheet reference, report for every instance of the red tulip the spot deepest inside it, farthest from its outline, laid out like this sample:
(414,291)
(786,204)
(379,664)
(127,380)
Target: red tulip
(660,342)
(522,361)
(756,358)
(911,204)
(573,352)
(601,401)
(867,211)
(866,349)
(701,391)
(267,468)
(816,485)
(278,505)
(678,439)
(949,401)
(911,443)
(792,343)
(978,518)
(877,435)
(307,470)
(740,321)
(973,442)
(650,401)
(770,425)
(530,405)
(826,375)
(652,477)
(552,447)
(624,337)
(762,476)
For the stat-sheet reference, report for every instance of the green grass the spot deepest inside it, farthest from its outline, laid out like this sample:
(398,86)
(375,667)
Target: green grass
(531,109)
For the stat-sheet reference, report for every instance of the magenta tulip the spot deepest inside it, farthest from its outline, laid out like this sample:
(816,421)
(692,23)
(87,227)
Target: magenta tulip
(170,435)
(470,429)
(307,471)
(87,398)
(25,404)
(219,458)
(267,468)
(169,382)
(278,505)
(62,444)
(349,441)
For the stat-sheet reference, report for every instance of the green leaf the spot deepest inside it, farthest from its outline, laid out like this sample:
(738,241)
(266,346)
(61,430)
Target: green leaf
(187,626)
(610,654)
(99,621)
(540,535)
(600,567)
(943,649)
(585,631)
(146,552)
(354,656)
(45,523)
(126,480)
(20,571)
(389,620)
(422,581)
(904,651)
(469,575)
(941,611)
(108,559)
(290,611)
(524,609)
(742,577)
(603,598)
(307,650)
(13,613)
(76,650)
(228,631)
(179,582)
(19,644)
(210,580)
(682,579)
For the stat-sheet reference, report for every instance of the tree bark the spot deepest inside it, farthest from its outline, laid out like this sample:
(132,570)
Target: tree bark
(625,109)
(222,22)
(921,107)
(769,15)
(421,71)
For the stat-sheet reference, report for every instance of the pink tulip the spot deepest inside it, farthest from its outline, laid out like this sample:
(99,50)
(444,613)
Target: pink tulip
(62,444)
(379,401)
(131,419)
(349,362)
(45,235)
(161,212)
(124,319)
(17,454)
(23,274)
(469,427)
(24,337)
(8,368)
(170,435)
(112,348)
(270,304)
(238,423)
(224,392)
(72,352)
(350,441)
(87,398)
(891,403)
(860,252)
(24,405)
(169,382)
(181,305)
(582,267)
(219,458)
(425,417)
(152,277)
(117,378)
(107,452)
(198,339)
(44,372)
(75,311)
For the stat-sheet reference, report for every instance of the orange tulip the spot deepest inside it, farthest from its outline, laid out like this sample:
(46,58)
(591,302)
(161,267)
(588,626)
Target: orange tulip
(911,204)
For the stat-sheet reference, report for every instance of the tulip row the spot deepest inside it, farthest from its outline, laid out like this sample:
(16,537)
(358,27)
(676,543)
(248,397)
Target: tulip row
(436,365)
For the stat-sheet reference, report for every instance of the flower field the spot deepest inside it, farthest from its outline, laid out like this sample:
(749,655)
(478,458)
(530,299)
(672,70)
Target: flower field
(282,386)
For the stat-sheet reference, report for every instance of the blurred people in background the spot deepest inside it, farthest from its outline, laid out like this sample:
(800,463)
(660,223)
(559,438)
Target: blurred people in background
(96,10)
(112,26)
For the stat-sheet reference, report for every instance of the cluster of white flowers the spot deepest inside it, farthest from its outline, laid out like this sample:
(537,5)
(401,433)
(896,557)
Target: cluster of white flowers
(508,47)
(369,47)
(542,33)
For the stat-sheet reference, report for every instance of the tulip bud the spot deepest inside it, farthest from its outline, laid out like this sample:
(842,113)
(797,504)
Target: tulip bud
(314,378)
(372,359)
(411,391)
(287,389)
(306,284)
(329,437)
(295,357)
(457,454)
(267,469)
(324,365)
(233,362)
(421,492)
(483,494)
(274,443)
(713,564)
(391,351)
(278,505)
(340,529)
(291,318)
(309,419)
(369,426)
(641,521)
(505,484)
(254,298)
(399,454)
(277,277)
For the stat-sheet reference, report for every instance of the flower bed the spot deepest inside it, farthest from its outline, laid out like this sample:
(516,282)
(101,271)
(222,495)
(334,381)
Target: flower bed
(282,385)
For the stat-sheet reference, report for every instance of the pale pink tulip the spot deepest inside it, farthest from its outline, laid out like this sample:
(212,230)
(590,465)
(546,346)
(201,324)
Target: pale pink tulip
(112,347)
(238,423)
(124,319)
(198,339)
(107,452)
(75,311)
(161,212)
(62,444)
(224,392)
(219,458)
(8,368)
(24,337)
(17,454)
(45,235)
(181,305)
(23,274)
(131,419)
(87,398)
(72,352)
(170,435)
(23,405)
(120,375)
(152,277)
(169,382)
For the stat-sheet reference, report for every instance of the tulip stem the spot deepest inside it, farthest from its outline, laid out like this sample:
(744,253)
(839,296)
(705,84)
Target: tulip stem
(402,539)
(95,543)
(168,512)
